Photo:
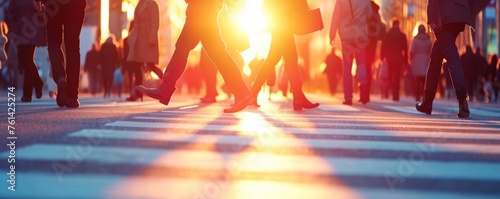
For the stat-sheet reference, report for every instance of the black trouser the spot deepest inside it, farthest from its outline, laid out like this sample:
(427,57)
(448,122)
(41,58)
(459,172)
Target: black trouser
(65,19)
(32,80)
(395,78)
(204,28)
(445,48)
(419,87)
(209,74)
(282,45)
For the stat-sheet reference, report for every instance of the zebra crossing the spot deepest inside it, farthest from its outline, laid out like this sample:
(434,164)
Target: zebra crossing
(196,152)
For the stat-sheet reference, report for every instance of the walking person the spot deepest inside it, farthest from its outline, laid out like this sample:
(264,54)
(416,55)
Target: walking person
(395,50)
(447,19)
(350,20)
(201,26)
(92,68)
(420,51)
(470,70)
(23,18)
(67,22)
(281,13)
(143,43)
(333,70)
(109,63)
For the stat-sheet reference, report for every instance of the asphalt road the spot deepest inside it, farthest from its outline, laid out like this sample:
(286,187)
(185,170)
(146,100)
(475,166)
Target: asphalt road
(109,148)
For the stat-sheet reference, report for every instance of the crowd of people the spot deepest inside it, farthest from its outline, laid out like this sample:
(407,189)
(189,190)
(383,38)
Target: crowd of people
(357,23)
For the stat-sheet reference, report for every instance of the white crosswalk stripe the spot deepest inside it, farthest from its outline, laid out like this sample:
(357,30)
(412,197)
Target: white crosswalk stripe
(192,152)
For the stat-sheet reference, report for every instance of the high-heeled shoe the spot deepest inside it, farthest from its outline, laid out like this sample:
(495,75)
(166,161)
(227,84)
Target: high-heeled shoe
(135,96)
(240,104)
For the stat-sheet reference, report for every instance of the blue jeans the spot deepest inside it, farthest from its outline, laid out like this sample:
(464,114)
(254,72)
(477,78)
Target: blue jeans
(349,52)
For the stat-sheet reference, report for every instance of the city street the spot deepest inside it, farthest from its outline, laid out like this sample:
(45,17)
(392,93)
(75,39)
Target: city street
(109,148)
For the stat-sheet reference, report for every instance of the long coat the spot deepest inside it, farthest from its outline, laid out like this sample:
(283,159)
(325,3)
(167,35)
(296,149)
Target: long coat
(420,52)
(28,26)
(143,38)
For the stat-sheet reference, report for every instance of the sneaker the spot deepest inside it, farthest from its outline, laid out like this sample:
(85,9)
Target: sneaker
(72,103)
(62,95)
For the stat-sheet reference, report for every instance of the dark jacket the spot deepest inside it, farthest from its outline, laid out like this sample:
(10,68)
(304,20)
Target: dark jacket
(395,47)
(92,61)
(468,60)
(109,58)
(28,26)
(442,12)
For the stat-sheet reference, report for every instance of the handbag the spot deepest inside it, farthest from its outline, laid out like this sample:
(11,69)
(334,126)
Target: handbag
(309,22)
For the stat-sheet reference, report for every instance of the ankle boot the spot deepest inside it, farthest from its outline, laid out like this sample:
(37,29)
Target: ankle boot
(463,106)
(163,93)
(426,105)
(300,101)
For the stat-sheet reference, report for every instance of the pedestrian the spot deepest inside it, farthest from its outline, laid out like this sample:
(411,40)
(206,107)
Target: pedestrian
(333,70)
(447,19)
(66,21)
(209,76)
(201,26)
(23,18)
(350,20)
(395,50)
(92,67)
(281,13)
(376,32)
(420,50)
(109,63)
(143,43)
(470,70)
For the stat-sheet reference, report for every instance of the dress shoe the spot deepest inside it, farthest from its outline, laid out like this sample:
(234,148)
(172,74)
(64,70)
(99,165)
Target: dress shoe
(72,102)
(62,95)
(162,93)
(299,105)
(240,104)
(26,99)
(424,107)
(208,99)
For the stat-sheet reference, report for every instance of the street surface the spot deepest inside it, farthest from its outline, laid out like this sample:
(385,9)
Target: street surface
(109,148)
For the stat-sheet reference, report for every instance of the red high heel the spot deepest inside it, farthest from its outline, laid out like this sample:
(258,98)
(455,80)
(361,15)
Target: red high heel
(300,102)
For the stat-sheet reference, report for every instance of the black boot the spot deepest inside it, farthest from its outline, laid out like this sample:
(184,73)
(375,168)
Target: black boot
(463,106)
(301,102)
(426,105)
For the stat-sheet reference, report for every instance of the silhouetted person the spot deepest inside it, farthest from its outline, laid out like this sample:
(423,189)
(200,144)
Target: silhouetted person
(376,30)
(143,42)
(67,21)
(395,51)
(447,19)
(209,76)
(470,70)
(333,70)
(420,52)
(22,15)
(201,26)
(280,13)
(91,67)
(350,20)
(110,61)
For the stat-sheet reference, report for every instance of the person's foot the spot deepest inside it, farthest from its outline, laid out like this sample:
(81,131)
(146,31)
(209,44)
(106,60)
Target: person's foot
(240,104)
(208,99)
(26,99)
(62,95)
(349,103)
(72,102)
(163,93)
(38,91)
